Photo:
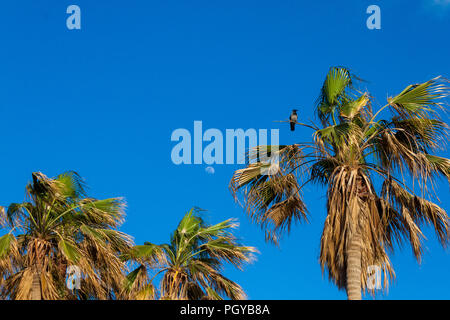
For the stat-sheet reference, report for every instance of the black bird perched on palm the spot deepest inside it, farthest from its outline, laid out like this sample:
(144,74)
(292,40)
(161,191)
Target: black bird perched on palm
(293,119)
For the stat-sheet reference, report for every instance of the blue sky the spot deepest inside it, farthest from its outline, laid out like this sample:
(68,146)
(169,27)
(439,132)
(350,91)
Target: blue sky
(104,100)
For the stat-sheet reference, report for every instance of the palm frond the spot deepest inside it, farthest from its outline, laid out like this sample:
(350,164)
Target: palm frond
(416,210)
(420,100)
(353,107)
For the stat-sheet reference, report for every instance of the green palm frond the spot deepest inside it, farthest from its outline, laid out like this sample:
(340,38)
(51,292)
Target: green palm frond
(439,165)
(340,135)
(110,211)
(353,107)
(71,185)
(137,280)
(335,93)
(149,252)
(420,100)
(70,251)
(6,243)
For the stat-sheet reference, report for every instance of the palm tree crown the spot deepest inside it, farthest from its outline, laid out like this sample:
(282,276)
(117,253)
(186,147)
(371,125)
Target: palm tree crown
(192,263)
(379,175)
(56,227)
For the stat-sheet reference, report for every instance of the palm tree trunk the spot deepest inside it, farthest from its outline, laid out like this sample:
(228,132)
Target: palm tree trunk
(36,287)
(354,267)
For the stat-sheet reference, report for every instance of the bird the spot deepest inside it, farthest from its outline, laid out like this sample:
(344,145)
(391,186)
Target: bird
(293,119)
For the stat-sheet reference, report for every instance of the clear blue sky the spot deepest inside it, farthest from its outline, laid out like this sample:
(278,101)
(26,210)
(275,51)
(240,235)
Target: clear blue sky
(104,100)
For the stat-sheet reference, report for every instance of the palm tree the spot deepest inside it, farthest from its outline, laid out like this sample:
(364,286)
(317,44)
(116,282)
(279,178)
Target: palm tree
(58,226)
(191,265)
(379,175)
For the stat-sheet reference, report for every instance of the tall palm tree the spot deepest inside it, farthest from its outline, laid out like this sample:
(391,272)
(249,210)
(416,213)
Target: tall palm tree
(58,226)
(191,265)
(379,174)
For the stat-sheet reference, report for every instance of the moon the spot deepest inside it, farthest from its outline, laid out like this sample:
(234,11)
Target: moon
(210,170)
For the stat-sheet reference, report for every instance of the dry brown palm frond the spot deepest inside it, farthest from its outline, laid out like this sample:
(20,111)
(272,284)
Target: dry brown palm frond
(48,287)
(273,200)
(400,152)
(24,281)
(212,279)
(3,218)
(352,208)
(416,211)
(138,285)
(174,285)
(275,204)
(229,288)
(427,134)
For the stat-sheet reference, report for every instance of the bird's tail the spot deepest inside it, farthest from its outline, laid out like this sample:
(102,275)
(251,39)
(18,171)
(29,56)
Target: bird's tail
(292,126)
